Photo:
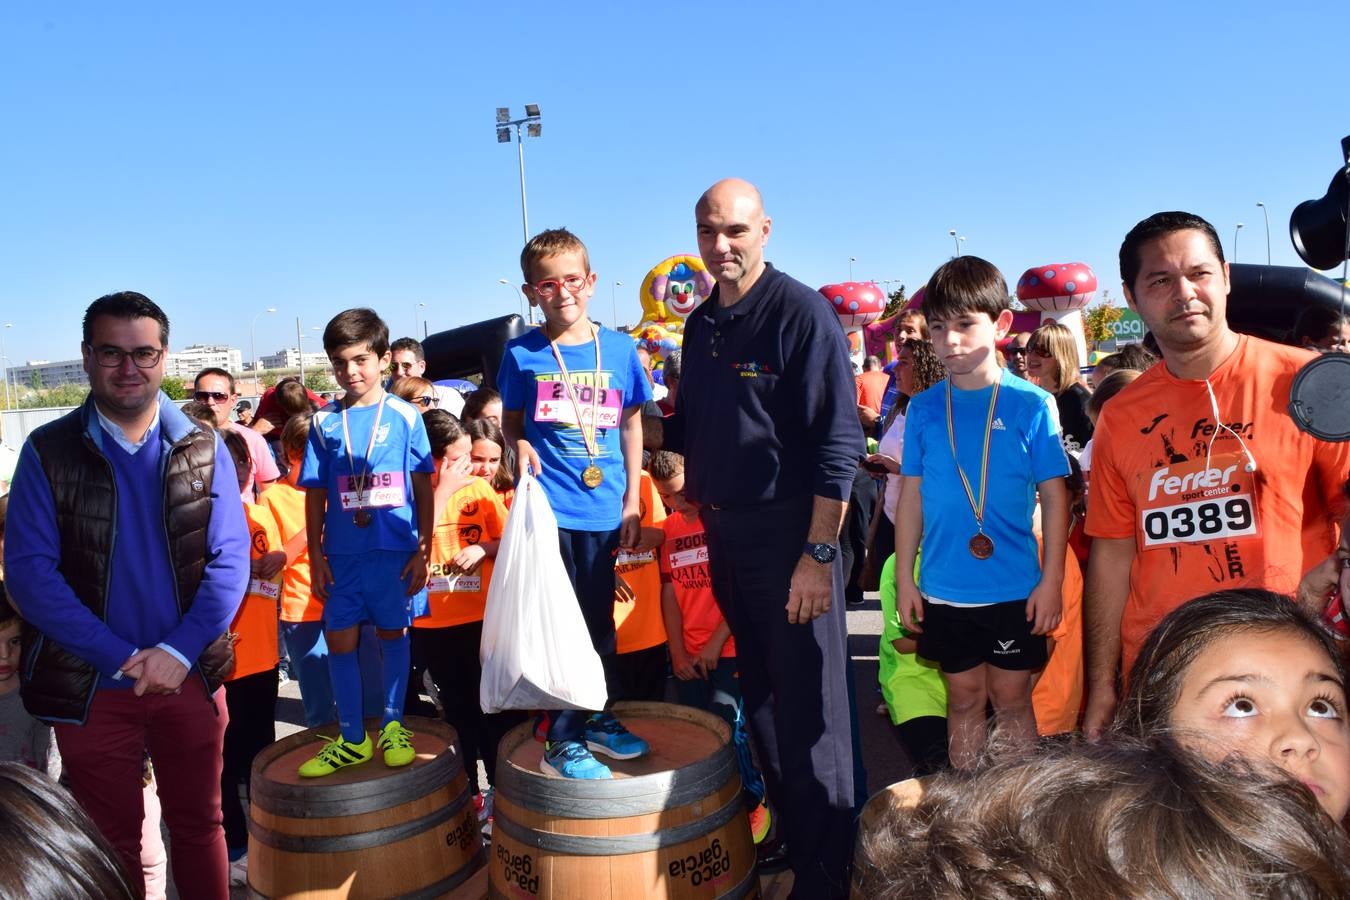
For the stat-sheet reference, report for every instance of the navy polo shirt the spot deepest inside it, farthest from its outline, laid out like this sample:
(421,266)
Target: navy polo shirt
(767,403)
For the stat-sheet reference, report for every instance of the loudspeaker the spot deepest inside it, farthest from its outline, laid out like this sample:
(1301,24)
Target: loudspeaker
(1318,228)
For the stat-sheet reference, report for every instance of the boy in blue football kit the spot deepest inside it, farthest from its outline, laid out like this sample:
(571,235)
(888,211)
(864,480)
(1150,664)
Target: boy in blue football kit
(571,391)
(979,446)
(368,518)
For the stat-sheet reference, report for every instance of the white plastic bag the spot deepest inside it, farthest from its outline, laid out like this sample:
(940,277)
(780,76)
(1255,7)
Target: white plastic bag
(536,650)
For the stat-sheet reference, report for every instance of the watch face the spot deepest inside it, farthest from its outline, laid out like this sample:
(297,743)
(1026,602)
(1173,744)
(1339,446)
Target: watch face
(822,553)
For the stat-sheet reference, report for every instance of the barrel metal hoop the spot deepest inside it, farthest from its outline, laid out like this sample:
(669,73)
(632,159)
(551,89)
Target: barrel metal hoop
(317,801)
(344,843)
(439,889)
(618,797)
(610,845)
(748,885)
(445,885)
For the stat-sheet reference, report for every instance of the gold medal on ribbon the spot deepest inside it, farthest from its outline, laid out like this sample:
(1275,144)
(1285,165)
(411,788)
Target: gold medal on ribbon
(591,476)
(981,546)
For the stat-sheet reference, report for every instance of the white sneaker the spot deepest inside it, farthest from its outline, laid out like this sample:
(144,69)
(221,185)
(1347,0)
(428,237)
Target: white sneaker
(239,872)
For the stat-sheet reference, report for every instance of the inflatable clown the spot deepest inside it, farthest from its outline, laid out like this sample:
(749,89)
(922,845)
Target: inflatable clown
(1059,292)
(669,293)
(857,304)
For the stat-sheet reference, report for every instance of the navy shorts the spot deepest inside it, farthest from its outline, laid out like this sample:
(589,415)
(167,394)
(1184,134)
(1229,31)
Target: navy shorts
(959,638)
(367,588)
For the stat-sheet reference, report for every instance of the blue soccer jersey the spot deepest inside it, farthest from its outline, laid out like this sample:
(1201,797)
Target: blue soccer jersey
(530,381)
(375,489)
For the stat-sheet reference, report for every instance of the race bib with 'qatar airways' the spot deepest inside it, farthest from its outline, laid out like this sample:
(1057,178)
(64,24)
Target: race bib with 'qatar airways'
(1198,501)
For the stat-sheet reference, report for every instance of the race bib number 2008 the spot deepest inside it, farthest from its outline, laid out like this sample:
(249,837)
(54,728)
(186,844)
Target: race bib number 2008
(1193,502)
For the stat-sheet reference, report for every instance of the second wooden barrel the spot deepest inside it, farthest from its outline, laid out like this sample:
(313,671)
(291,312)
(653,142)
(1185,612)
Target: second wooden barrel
(901,795)
(366,831)
(672,824)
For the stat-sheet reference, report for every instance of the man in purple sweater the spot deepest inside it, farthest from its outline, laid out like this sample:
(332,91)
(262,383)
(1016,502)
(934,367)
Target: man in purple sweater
(127,555)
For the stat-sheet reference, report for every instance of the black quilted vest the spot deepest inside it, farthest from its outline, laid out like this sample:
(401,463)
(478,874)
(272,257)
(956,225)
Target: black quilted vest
(56,684)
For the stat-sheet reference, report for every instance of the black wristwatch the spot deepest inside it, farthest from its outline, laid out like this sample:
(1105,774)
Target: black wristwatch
(821,553)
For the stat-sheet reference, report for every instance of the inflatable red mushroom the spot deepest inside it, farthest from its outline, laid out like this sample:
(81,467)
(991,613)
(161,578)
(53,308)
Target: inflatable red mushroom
(1058,287)
(856,303)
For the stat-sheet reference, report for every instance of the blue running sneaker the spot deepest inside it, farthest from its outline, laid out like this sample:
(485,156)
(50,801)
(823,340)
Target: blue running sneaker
(606,734)
(571,759)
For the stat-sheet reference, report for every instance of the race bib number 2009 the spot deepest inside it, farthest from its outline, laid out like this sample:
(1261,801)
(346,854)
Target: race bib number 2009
(1193,502)
(552,404)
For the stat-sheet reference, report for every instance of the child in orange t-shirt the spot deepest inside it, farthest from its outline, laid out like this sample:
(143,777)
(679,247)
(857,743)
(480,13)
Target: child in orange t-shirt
(702,651)
(640,659)
(301,611)
(470,517)
(1057,690)
(251,689)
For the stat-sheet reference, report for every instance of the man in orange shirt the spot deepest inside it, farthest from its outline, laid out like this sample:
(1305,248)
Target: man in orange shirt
(871,388)
(1200,481)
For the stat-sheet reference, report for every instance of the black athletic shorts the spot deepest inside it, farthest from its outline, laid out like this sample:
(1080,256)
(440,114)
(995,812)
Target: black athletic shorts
(959,638)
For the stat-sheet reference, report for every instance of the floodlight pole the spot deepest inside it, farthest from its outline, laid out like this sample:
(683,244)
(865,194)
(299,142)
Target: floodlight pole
(532,120)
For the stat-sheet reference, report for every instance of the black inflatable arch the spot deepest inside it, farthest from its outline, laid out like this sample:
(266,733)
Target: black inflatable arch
(471,349)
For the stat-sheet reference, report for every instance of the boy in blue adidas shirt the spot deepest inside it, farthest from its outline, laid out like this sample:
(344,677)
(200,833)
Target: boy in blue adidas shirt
(979,446)
(571,391)
(368,518)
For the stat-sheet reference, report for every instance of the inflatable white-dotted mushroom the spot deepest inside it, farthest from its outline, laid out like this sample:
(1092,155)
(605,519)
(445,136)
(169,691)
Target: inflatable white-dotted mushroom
(1059,291)
(857,304)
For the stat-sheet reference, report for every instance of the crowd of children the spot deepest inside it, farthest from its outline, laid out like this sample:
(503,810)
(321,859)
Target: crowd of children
(373,554)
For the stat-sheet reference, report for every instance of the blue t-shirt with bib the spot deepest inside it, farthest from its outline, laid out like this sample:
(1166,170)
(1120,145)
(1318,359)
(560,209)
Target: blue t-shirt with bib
(400,448)
(530,382)
(1024,450)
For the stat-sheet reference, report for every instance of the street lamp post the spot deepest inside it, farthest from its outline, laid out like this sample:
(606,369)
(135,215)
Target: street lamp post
(614,301)
(9,403)
(851,261)
(1236,232)
(1266,213)
(416,317)
(533,128)
(952,232)
(515,290)
(253,345)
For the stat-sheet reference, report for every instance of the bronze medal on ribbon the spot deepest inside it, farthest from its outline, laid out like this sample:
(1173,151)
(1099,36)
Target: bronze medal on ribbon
(361,518)
(981,545)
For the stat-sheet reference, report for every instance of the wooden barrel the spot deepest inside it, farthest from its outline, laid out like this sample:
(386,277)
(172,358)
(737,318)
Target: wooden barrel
(901,795)
(672,824)
(365,831)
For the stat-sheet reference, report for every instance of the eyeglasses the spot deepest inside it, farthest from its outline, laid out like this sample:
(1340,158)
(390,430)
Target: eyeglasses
(1017,351)
(549,288)
(110,357)
(426,401)
(1042,352)
(209,396)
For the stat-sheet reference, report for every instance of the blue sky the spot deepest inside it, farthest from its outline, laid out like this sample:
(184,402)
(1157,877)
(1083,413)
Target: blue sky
(313,156)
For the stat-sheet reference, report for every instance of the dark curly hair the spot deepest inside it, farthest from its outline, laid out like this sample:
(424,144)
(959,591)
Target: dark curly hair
(928,369)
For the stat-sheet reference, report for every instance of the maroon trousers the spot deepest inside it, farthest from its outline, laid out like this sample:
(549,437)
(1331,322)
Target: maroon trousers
(103,763)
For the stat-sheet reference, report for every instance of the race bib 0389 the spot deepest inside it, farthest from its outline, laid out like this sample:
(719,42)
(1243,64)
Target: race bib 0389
(1193,502)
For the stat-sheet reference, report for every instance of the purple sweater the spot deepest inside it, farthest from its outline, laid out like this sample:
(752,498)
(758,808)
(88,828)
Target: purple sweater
(142,610)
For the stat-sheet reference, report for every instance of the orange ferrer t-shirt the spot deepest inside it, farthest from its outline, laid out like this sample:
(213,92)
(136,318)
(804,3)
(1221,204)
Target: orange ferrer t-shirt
(287,505)
(1203,526)
(255,622)
(639,625)
(1058,695)
(684,565)
(472,515)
